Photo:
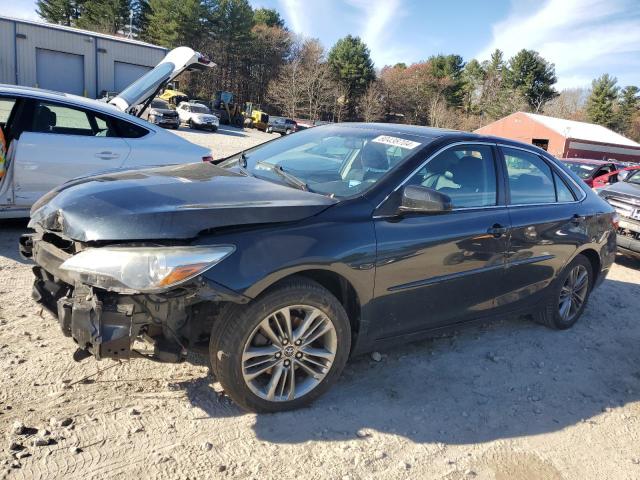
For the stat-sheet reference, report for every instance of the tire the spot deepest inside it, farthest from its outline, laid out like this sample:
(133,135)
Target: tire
(238,331)
(551,314)
(287,131)
(269,130)
(214,129)
(191,126)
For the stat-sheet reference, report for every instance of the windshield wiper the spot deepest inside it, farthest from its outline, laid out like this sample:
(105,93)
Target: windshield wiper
(286,176)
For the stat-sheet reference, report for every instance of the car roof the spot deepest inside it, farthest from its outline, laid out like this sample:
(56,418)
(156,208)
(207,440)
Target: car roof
(586,160)
(75,100)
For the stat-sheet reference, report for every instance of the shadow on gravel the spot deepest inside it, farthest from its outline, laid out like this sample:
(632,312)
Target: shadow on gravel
(9,242)
(485,382)
(222,130)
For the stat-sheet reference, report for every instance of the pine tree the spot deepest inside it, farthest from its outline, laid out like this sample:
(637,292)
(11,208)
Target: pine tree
(106,16)
(352,66)
(63,12)
(602,101)
(172,23)
(628,108)
(269,17)
(532,76)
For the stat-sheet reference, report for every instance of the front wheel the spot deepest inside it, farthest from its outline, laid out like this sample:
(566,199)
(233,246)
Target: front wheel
(568,298)
(284,349)
(191,125)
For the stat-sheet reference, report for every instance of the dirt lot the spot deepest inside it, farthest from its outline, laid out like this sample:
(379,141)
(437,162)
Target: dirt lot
(508,400)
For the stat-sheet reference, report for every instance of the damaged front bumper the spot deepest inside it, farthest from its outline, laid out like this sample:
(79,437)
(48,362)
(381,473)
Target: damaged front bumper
(108,324)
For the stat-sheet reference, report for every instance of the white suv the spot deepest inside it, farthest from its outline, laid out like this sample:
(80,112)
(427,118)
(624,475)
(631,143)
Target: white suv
(197,115)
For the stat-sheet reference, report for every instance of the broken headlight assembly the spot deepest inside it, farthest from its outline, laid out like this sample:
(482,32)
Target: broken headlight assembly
(142,269)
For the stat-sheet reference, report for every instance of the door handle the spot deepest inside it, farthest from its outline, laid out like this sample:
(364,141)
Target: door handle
(107,155)
(578,219)
(497,230)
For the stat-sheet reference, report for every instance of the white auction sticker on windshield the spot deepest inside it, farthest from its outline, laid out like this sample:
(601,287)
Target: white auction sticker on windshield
(396,142)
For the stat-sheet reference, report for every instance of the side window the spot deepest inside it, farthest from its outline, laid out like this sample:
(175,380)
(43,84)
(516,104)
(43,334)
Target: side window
(467,174)
(530,178)
(128,130)
(6,105)
(563,193)
(66,120)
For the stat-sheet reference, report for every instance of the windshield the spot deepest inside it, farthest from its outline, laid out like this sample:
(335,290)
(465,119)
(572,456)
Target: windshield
(159,104)
(147,84)
(337,161)
(583,170)
(199,109)
(634,177)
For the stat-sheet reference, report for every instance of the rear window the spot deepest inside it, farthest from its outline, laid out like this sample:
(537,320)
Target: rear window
(530,178)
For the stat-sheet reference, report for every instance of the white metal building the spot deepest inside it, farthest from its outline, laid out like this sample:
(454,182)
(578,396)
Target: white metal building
(71,60)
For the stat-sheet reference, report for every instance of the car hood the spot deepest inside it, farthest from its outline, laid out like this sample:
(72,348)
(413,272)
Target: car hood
(175,202)
(622,188)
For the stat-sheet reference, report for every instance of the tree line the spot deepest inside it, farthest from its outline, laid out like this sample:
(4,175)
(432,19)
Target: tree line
(260,60)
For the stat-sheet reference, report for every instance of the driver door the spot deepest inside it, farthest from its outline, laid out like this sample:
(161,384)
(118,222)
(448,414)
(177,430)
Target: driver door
(438,269)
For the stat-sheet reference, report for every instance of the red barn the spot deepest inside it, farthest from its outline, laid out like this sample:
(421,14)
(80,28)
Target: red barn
(565,138)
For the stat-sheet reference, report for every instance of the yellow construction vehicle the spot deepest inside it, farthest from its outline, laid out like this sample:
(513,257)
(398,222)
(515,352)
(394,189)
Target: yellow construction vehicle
(255,118)
(174,97)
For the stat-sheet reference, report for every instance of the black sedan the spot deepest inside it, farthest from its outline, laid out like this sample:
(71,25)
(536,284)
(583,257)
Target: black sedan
(286,259)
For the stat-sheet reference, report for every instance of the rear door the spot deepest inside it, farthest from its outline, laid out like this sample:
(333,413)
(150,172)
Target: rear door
(433,270)
(546,226)
(61,142)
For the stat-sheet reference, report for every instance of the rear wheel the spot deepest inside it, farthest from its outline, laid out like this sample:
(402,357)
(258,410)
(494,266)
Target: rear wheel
(287,131)
(284,349)
(569,296)
(191,125)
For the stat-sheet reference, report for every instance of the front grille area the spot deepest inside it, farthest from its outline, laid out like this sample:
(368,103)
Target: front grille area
(63,244)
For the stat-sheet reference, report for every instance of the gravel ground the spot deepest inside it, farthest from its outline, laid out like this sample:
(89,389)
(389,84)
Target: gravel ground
(227,140)
(506,400)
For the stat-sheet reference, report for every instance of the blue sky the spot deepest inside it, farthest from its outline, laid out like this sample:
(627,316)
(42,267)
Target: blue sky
(584,38)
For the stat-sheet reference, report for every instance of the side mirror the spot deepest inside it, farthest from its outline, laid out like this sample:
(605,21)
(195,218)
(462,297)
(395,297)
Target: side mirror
(419,199)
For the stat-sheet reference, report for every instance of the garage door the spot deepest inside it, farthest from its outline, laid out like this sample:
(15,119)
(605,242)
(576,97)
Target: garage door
(60,71)
(127,73)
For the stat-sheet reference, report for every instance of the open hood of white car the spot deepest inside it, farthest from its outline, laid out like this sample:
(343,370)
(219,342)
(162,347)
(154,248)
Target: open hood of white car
(177,61)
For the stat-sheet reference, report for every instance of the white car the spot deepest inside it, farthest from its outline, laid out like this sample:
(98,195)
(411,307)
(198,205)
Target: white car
(197,115)
(54,137)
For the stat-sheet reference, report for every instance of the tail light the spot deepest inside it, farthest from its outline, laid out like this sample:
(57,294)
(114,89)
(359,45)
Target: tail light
(203,59)
(207,158)
(615,221)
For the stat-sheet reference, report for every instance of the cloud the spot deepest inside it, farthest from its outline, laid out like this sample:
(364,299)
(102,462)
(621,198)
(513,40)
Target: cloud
(377,28)
(294,11)
(575,35)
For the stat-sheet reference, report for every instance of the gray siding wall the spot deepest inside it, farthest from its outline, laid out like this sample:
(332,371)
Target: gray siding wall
(92,48)
(58,40)
(7,53)
(122,52)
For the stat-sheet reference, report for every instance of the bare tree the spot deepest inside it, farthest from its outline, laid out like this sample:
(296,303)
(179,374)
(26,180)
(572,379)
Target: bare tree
(370,107)
(287,90)
(569,104)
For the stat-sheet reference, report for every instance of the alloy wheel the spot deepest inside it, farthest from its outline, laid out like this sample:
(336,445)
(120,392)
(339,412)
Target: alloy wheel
(573,293)
(289,353)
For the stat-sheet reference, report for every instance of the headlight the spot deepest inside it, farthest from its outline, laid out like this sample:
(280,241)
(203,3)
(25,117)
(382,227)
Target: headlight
(142,269)
(155,113)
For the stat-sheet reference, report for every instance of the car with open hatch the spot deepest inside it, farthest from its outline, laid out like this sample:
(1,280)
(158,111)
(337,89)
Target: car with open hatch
(286,259)
(52,137)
